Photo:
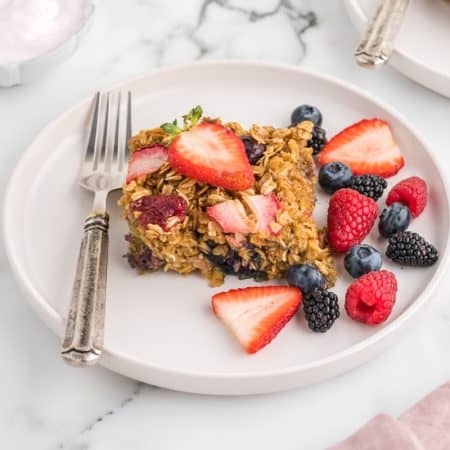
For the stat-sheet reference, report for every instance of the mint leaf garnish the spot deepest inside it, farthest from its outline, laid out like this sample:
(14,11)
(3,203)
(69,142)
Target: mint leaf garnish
(189,120)
(192,117)
(171,128)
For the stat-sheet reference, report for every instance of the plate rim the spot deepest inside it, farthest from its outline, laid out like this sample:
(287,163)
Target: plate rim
(357,14)
(52,319)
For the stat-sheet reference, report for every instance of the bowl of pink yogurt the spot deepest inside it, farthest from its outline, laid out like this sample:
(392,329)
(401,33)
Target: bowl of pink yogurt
(38,35)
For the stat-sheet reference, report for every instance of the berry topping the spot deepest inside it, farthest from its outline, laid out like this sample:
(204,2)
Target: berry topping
(255,315)
(318,140)
(233,264)
(305,276)
(213,154)
(264,208)
(411,249)
(351,216)
(370,299)
(253,149)
(146,161)
(163,210)
(334,176)
(321,309)
(368,147)
(369,185)
(393,219)
(412,192)
(306,112)
(362,259)
(232,216)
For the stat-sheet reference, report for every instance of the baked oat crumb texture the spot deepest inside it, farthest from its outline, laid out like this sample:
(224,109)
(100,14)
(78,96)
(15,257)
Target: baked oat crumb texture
(287,170)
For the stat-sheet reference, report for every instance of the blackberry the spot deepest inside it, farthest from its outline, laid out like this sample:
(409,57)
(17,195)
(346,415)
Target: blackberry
(371,186)
(318,139)
(411,249)
(321,309)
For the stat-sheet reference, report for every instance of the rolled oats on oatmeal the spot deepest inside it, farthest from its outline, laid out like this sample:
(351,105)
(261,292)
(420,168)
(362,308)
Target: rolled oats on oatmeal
(172,225)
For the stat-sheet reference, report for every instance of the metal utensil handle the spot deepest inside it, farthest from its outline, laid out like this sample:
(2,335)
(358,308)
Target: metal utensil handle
(83,339)
(378,41)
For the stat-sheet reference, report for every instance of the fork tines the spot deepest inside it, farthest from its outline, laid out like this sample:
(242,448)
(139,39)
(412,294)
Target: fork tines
(107,148)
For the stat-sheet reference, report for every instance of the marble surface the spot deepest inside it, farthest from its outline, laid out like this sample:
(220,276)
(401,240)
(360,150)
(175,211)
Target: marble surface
(48,405)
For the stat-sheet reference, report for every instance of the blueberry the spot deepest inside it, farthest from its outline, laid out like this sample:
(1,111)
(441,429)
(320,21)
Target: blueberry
(233,264)
(305,276)
(334,176)
(306,112)
(361,259)
(393,219)
(254,150)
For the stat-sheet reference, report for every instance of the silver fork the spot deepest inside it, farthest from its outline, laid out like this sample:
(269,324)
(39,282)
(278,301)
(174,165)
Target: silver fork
(102,170)
(377,44)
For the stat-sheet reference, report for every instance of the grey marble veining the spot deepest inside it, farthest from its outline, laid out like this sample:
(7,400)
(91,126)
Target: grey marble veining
(48,405)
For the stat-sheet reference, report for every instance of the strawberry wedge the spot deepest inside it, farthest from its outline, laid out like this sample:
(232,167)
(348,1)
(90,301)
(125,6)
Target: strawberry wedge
(255,315)
(213,154)
(368,147)
(232,217)
(146,161)
(264,208)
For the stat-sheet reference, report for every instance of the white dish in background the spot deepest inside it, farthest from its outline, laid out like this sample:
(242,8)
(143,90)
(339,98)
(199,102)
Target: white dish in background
(29,70)
(160,328)
(422,48)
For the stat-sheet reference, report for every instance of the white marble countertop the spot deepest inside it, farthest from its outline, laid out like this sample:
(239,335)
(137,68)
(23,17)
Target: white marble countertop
(48,405)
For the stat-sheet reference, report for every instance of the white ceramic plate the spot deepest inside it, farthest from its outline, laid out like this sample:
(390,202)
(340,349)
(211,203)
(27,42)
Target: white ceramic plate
(160,328)
(422,48)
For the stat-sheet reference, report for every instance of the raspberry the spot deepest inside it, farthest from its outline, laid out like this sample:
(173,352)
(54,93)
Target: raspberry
(412,192)
(370,299)
(351,216)
(162,210)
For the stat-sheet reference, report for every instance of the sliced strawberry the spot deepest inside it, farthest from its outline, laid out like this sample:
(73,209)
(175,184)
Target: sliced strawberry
(146,161)
(255,315)
(232,217)
(368,147)
(212,154)
(265,208)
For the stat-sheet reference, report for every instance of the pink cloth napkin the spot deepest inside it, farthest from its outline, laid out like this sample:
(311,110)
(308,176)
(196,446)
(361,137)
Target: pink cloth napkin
(426,426)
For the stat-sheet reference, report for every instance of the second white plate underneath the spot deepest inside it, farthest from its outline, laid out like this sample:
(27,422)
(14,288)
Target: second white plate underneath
(422,48)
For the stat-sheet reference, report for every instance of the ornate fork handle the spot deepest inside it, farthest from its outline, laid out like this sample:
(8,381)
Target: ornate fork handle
(83,340)
(378,41)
